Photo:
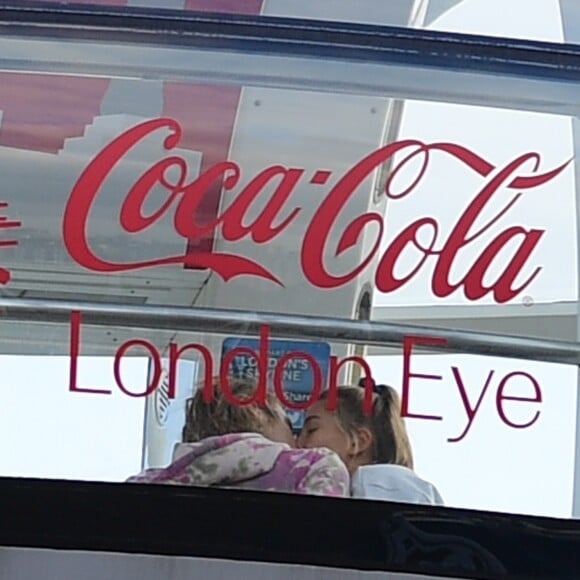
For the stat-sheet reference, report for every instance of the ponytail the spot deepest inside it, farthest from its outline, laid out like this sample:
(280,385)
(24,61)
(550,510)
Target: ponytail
(391,442)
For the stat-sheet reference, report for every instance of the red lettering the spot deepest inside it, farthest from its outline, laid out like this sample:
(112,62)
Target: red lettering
(82,197)
(385,279)
(131,217)
(461,235)
(226,172)
(502,288)
(332,399)
(278,183)
(155,360)
(74,349)
(408,342)
(471,412)
(175,352)
(84,193)
(500,398)
(279,387)
(261,228)
(319,229)
(336,364)
(459,238)
(419,150)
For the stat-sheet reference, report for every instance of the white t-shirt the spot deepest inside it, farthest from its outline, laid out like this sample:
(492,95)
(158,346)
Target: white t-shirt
(393,483)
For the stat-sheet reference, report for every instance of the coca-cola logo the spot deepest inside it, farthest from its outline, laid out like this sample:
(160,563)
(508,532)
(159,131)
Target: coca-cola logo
(185,196)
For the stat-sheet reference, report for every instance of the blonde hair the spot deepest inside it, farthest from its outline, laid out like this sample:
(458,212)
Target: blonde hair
(391,442)
(219,416)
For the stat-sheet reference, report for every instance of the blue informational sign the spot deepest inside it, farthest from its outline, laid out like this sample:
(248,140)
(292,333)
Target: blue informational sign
(296,375)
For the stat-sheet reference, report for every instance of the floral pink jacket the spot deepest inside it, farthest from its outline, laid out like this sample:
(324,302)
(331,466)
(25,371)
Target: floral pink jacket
(250,461)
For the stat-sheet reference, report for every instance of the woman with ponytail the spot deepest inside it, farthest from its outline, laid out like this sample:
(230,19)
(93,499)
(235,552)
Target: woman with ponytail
(374,444)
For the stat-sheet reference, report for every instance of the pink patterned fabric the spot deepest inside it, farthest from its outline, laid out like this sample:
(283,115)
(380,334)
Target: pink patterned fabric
(250,461)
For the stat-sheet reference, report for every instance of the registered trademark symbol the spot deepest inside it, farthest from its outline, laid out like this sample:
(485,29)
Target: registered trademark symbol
(527,301)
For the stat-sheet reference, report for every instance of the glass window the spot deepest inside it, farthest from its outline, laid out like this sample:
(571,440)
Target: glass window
(295,210)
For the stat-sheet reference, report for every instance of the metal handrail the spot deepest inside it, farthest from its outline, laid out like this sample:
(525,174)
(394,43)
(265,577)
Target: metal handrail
(221,321)
(282,35)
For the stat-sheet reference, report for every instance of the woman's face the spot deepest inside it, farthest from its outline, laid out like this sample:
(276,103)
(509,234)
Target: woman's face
(321,429)
(279,428)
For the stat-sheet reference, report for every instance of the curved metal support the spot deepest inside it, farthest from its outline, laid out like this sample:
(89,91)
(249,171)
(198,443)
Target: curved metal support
(437,8)
(570,14)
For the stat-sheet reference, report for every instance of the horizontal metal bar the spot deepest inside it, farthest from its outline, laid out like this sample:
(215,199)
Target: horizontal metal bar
(222,321)
(292,36)
(240,49)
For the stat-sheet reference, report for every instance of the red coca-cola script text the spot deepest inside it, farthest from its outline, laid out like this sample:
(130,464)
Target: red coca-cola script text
(185,195)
